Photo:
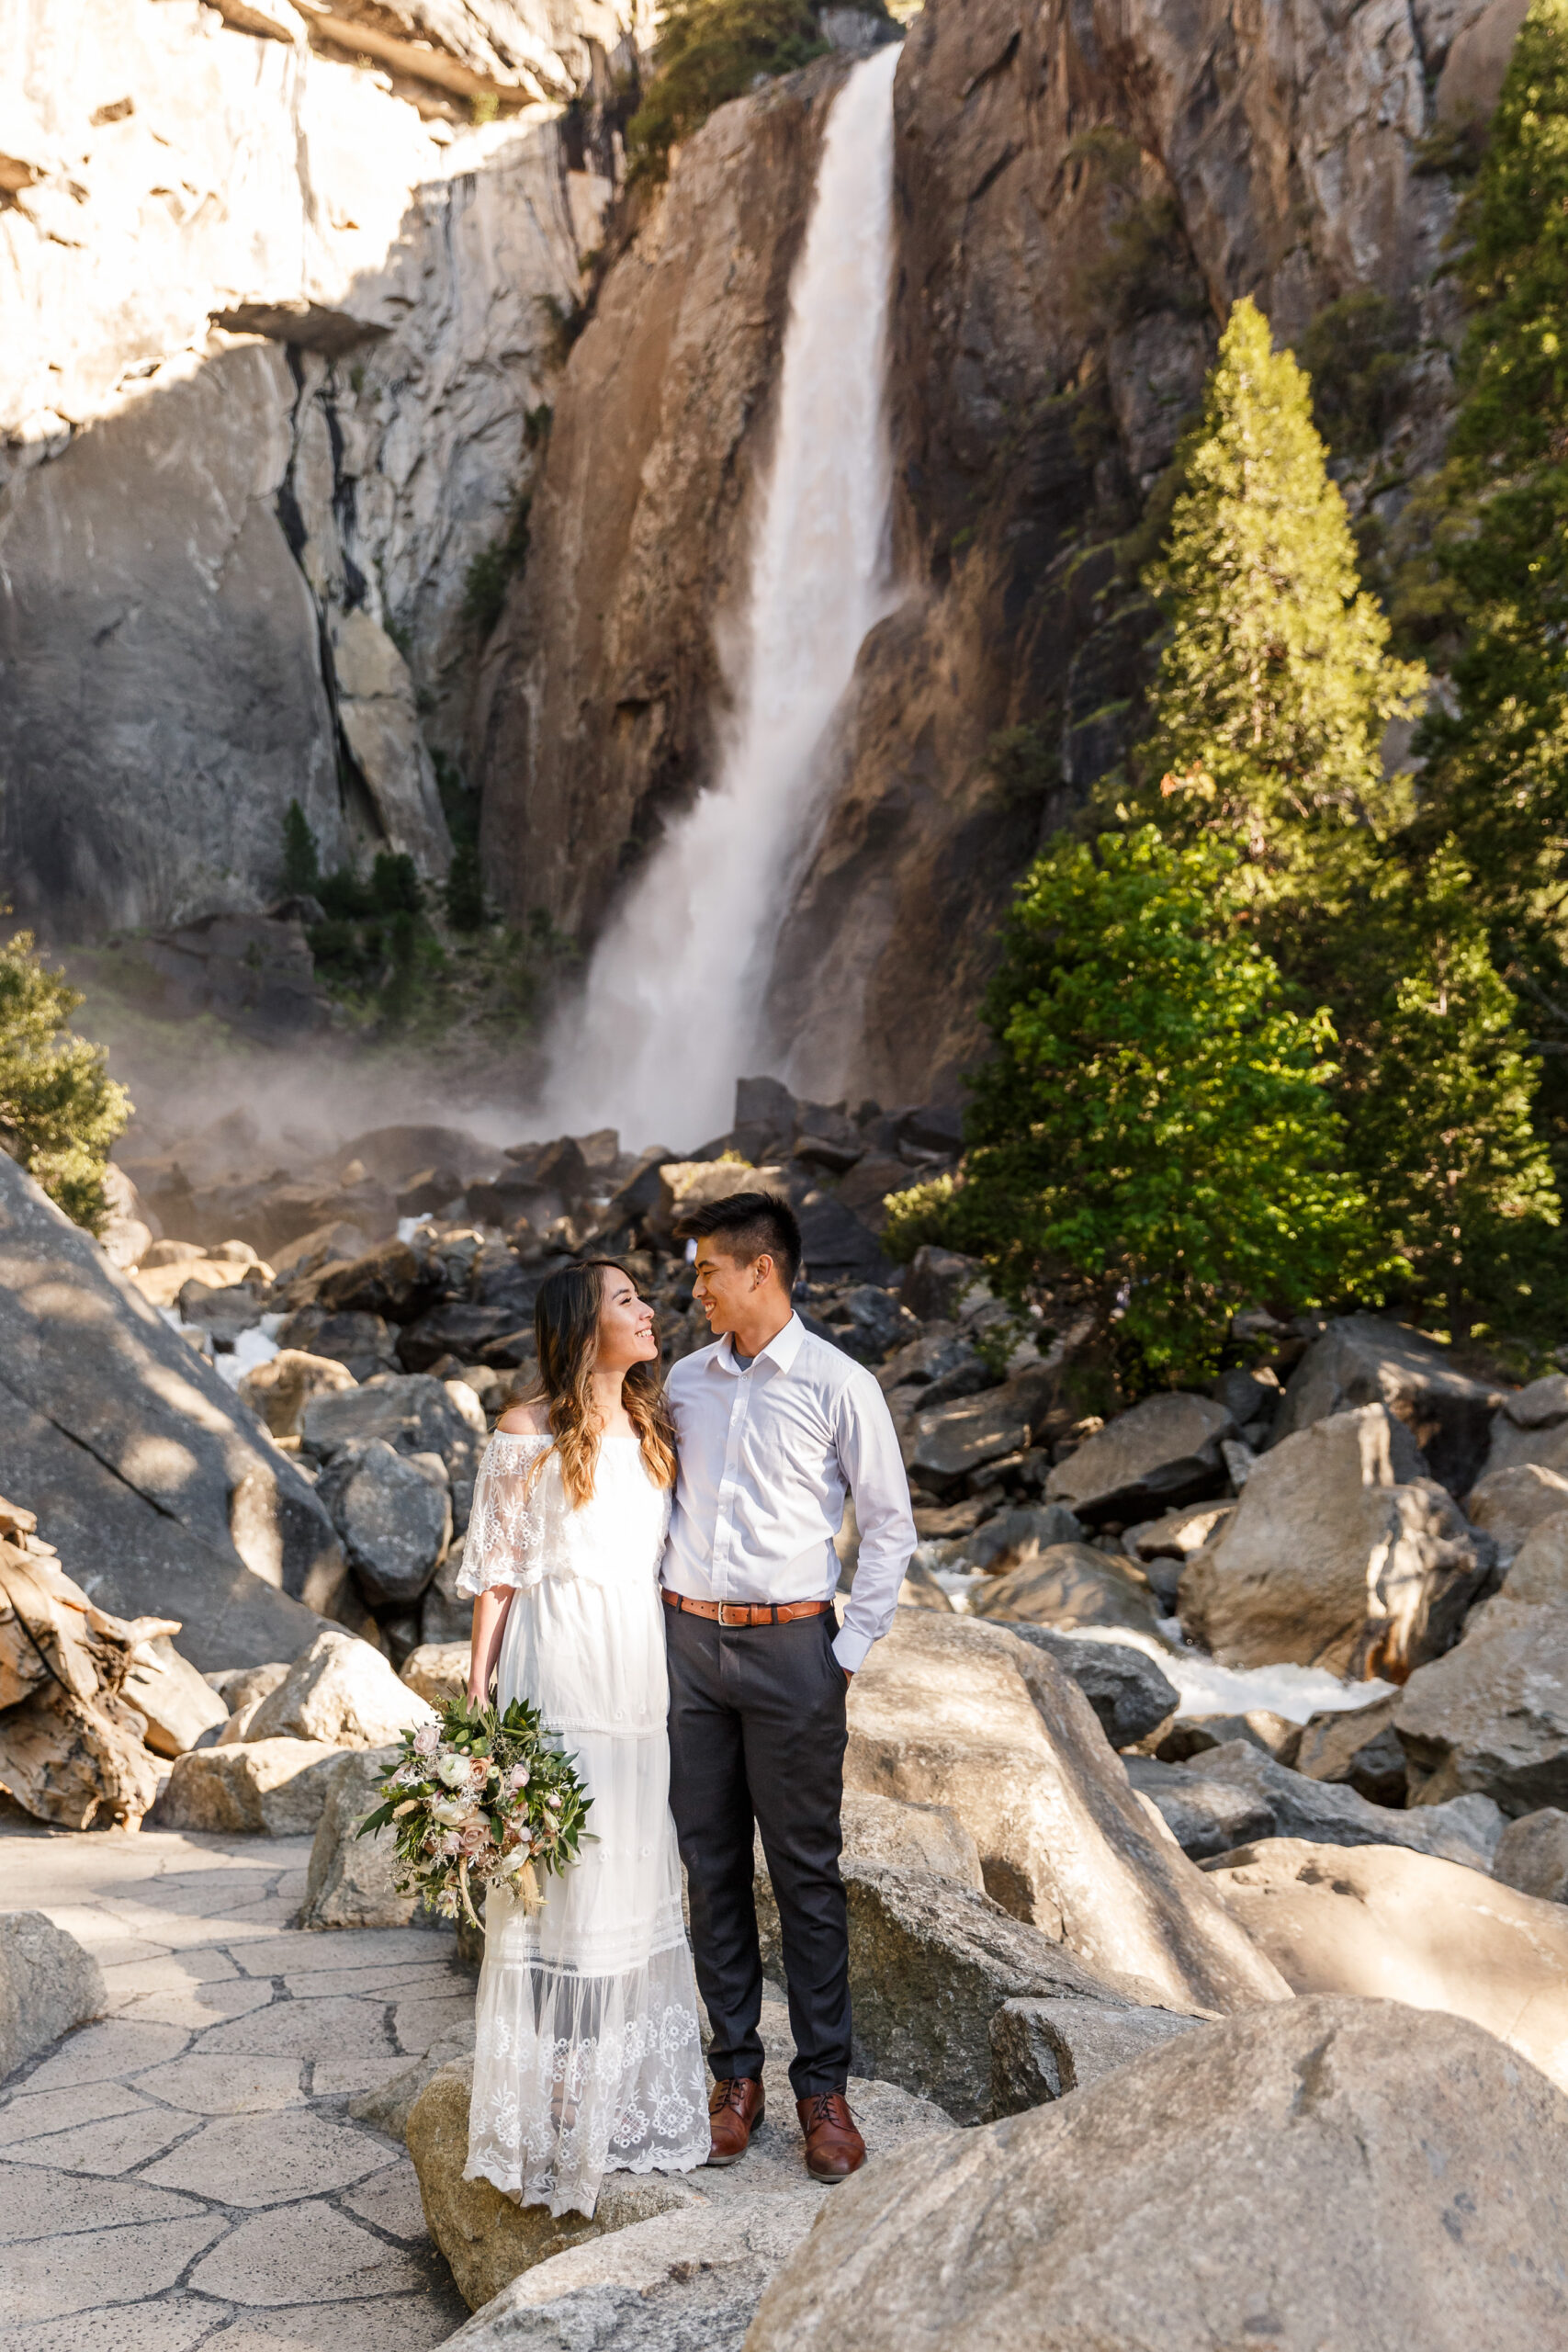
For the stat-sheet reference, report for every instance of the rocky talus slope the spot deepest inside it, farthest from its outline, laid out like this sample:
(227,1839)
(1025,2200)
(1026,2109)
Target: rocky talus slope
(277,310)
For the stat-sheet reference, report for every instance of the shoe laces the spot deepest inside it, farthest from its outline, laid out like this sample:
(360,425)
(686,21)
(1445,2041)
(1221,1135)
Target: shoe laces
(824,2109)
(732,2093)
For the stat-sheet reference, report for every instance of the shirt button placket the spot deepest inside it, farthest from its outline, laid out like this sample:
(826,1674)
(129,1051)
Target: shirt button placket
(725,1528)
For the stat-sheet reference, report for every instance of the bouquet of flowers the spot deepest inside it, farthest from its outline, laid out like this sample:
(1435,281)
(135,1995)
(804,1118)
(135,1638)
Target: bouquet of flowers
(480,1796)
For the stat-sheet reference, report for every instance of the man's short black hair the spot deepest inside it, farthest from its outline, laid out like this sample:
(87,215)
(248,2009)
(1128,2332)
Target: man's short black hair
(750,1225)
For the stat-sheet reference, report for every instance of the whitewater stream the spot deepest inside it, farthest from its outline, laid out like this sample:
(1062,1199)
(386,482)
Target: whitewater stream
(672,1013)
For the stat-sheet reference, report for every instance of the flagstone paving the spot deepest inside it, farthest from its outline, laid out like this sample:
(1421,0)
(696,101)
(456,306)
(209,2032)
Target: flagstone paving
(186,2173)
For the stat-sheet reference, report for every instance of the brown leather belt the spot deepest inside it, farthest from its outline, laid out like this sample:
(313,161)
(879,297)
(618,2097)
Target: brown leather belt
(734,1612)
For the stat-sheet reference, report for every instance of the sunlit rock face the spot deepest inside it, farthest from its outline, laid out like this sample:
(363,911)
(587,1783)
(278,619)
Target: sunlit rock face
(274,321)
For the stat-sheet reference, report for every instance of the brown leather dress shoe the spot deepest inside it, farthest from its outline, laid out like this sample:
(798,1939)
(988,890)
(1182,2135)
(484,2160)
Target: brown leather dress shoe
(834,2148)
(735,2106)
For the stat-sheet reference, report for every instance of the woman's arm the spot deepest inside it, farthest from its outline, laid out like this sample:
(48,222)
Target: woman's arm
(490,1623)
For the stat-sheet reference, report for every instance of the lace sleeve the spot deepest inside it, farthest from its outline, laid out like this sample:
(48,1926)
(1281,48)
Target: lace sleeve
(506,1524)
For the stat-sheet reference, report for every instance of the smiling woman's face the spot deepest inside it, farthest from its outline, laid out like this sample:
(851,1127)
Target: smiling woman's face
(626,1334)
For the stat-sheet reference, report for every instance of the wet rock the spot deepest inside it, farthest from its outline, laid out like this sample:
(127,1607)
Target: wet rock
(394,1513)
(1166,1451)
(1405,1926)
(1360,1746)
(1464,1830)
(1361,1360)
(446,1615)
(1511,1504)
(1336,2160)
(339,1691)
(836,1245)
(946,1710)
(1069,1585)
(48,1985)
(1125,1687)
(278,1391)
(1328,1562)
(1041,2049)
(1492,1716)
(1532,1855)
(271,1787)
(349,1882)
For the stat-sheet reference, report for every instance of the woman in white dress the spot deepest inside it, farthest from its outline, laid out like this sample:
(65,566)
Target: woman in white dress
(589,2055)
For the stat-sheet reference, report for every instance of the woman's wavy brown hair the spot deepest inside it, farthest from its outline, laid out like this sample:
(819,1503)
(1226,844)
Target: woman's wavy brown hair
(566,1328)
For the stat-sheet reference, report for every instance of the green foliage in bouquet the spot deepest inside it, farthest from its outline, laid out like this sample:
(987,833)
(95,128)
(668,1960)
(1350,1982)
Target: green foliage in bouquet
(481,1797)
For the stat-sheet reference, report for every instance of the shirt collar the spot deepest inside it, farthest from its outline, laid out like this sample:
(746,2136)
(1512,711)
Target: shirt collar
(781,1349)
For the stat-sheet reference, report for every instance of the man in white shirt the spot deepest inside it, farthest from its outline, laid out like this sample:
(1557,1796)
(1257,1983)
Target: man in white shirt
(774,1426)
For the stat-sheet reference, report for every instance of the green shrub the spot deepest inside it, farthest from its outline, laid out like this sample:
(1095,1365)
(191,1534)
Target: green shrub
(490,571)
(60,1110)
(301,858)
(710,51)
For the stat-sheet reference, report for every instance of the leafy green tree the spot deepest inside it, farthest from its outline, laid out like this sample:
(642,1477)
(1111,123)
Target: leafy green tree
(1153,1120)
(301,858)
(60,1110)
(1276,683)
(710,51)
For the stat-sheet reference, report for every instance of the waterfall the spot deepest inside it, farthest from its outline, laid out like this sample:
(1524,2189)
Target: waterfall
(671,1011)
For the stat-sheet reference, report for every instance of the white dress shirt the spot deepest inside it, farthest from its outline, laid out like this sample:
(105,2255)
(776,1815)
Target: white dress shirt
(766,1456)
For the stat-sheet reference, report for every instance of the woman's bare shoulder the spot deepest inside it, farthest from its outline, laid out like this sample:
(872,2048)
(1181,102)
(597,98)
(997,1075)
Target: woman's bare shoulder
(524,1421)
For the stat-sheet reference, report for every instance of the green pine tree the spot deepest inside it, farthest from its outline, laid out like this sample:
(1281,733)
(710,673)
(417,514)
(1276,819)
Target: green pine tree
(1154,1121)
(301,858)
(1276,682)
(60,1110)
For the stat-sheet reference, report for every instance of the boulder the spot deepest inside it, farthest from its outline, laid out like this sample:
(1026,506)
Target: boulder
(1042,2050)
(1493,1714)
(342,1691)
(179,1706)
(1010,1536)
(1166,1451)
(942,1446)
(1125,1688)
(1539,1571)
(48,1985)
(362,1344)
(349,1882)
(413,1412)
(1531,1430)
(447,1615)
(325,1244)
(1328,1562)
(1259,1726)
(1066,1585)
(687,1184)
(1360,1746)
(145,1467)
(939,1282)
(1360,1360)
(394,1513)
(276,1788)
(243,1693)
(1532,1855)
(926,1837)
(946,1710)
(1390,1925)
(1511,1503)
(1205,1817)
(394,1282)
(278,1392)
(1465,1830)
(1322,2173)
(438,1671)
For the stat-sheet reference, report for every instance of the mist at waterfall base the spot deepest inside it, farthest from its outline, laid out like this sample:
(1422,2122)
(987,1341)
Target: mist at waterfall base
(672,1010)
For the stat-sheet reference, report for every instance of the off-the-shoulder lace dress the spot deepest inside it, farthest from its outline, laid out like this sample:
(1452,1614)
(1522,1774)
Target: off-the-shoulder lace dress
(588,2057)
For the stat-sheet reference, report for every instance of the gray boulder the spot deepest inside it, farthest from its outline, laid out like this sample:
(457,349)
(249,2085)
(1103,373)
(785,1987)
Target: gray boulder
(1539,1572)
(148,1472)
(1511,1503)
(1042,2050)
(349,1882)
(1129,1694)
(1492,1716)
(1205,1817)
(412,1412)
(1532,1855)
(1361,1746)
(938,1282)
(394,1513)
(1327,1560)
(1463,1830)
(363,1345)
(1361,1360)
(1166,1451)
(926,1837)
(1066,1585)
(342,1691)
(180,1707)
(269,1788)
(48,1983)
(1009,1536)
(945,1445)
(278,1391)
(1531,1428)
(1322,2173)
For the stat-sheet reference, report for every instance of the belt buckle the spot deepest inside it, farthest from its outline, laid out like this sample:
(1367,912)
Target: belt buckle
(734,1613)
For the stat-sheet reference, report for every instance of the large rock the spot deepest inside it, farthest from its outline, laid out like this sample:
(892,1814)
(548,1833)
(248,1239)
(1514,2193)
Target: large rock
(278,1391)
(1539,1571)
(1166,1451)
(949,1711)
(1066,1585)
(1532,1855)
(1042,2050)
(942,1446)
(1205,1817)
(1492,1716)
(271,1787)
(349,1882)
(1511,1503)
(1531,1430)
(1465,1831)
(1360,1360)
(1326,2173)
(144,1467)
(1402,1927)
(413,1412)
(179,1706)
(1328,1562)
(1125,1687)
(394,1513)
(48,1983)
(363,1345)
(438,1671)
(342,1691)
(1358,1745)
(930,1838)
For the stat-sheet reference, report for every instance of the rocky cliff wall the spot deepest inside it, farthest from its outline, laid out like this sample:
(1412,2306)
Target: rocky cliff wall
(275,309)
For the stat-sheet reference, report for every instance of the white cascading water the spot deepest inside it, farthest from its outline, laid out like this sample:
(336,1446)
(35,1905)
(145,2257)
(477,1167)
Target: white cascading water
(671,1011)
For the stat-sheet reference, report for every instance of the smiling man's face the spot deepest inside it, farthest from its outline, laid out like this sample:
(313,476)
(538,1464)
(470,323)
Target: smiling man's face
(727,1290)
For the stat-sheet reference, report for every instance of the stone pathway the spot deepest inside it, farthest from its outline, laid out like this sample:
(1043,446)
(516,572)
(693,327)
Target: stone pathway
(187,2173)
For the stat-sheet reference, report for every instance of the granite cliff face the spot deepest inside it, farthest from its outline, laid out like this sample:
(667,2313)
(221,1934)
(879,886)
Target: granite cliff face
(277,308)
(1083,189)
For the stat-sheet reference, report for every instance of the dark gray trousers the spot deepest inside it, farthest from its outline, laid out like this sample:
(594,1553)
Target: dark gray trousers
(757,1733)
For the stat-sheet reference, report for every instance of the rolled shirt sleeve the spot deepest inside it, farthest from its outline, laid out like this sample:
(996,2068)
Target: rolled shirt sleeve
(873,1469)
